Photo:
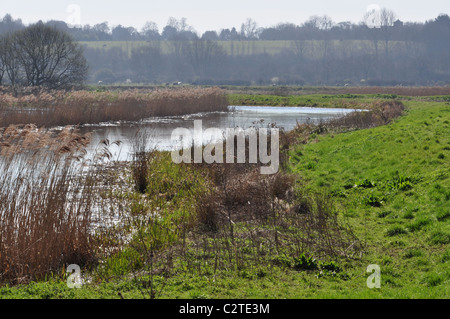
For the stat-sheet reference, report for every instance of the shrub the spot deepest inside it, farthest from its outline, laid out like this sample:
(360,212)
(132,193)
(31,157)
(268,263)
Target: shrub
(330,266)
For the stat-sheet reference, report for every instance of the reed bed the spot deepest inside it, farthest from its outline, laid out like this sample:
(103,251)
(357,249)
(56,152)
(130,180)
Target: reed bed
(59,108)
(46,202)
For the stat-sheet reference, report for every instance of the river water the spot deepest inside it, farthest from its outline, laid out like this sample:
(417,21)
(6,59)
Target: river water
(159,129)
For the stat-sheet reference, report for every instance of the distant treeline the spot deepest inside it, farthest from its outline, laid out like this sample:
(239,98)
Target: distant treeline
(381,50)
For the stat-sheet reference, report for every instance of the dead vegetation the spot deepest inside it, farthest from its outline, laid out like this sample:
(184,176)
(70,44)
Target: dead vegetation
(46,202)
(59,108)
(376,114)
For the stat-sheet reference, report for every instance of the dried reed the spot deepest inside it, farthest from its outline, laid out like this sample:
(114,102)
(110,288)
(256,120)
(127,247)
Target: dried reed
(80,107)
(46,202)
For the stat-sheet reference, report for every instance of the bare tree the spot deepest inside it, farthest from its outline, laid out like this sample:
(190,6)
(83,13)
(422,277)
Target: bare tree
(147,62)
(371,21)
(249,29)
(2,66)
(387,19)
(380,23)
(150,30)
(10,65)
(49,57)
(205,56)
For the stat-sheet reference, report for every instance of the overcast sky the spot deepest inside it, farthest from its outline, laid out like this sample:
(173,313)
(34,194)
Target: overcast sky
(213,15)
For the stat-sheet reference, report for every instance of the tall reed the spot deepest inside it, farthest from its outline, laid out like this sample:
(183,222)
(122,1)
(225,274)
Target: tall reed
(46,202)
(80,107)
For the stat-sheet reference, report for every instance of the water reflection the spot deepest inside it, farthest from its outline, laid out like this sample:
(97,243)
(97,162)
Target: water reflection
(160,129)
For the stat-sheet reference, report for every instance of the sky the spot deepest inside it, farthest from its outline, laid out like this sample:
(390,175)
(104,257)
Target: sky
(205,15)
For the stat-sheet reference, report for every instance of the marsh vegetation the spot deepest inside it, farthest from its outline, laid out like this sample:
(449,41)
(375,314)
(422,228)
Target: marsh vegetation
(150,222)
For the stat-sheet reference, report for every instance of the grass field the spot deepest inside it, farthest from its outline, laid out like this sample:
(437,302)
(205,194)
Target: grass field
(239,47)
(383,192)
(231,47)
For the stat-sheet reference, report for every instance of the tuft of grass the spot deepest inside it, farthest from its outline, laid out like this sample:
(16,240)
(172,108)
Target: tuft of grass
(413,252)
(419,224)
(434,279)
(439,237)
(396,230)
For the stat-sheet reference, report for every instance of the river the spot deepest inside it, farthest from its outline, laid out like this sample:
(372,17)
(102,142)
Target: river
(159,129)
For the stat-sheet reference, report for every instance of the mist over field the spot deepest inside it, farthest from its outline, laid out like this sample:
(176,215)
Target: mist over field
(379,50)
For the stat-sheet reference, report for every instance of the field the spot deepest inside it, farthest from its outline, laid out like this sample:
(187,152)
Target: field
(231,47)
(373,188)
(237,47)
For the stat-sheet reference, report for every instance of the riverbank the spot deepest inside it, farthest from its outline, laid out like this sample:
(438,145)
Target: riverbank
(361,100)
(382,194)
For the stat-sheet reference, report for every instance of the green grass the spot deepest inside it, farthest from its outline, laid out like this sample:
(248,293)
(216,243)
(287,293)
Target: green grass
(390,184)
(406,207)
(356,101)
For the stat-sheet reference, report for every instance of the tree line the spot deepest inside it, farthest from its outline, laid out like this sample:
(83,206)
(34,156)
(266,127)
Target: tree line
(390,53)
(381,50)
(382,24)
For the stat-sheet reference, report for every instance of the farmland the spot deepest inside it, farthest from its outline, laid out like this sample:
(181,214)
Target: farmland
(241,47)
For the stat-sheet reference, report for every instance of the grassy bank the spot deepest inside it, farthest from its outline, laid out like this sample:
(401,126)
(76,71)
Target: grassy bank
(367,190)
(361,98)
(392,185)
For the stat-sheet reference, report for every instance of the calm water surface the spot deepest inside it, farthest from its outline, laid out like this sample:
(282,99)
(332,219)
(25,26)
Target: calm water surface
(159,130)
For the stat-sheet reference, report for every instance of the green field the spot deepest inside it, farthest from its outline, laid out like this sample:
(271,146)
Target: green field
(308,47)
(389,185)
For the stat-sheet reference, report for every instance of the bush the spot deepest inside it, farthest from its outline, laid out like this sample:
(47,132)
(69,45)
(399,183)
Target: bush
(330,266)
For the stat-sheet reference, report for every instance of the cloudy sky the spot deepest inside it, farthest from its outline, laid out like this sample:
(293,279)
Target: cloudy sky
(213,15)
